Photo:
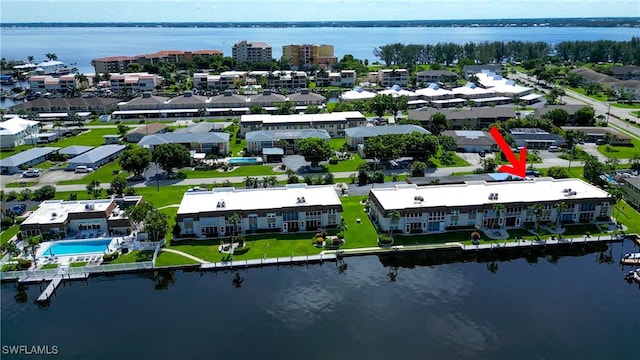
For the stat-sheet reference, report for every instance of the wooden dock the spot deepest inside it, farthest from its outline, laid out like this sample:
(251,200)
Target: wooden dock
(51,288)
(631,259)
(288,260)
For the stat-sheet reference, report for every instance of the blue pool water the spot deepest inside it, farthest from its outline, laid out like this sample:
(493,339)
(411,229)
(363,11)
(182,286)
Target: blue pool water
(240,160)
(77,247)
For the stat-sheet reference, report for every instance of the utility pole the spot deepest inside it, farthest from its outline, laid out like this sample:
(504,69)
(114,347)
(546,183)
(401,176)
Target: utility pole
(608,112)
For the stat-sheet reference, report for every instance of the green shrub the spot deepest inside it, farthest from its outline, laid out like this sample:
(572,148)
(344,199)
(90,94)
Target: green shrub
(385,239)
(24,264)
(110,256)
(241,250)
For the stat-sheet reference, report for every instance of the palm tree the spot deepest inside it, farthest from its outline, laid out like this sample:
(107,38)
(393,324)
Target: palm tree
(51,56)
(616,194)
(499,210)
(560,207)
(30,59)
(272,181)
(10,249)
(31,246)
(536,210)
(394,215)
(58,124)
(81,79)
(234,220)
(250,182)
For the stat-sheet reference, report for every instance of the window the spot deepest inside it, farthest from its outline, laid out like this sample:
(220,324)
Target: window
(436,216)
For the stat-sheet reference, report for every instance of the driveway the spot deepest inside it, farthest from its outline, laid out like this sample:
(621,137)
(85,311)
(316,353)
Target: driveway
(592,149)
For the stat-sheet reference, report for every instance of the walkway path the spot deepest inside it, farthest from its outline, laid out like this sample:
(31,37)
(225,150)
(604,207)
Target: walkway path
(169,206)
(185,255)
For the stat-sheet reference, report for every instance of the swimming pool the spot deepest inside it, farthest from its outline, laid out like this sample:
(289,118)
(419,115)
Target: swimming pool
(77,247)
(243,160)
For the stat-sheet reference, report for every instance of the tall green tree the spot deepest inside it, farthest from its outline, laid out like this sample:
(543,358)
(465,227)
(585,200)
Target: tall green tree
(94,189)
(314,150)
(118,184)
(135,161)
(170,156)
(438,123)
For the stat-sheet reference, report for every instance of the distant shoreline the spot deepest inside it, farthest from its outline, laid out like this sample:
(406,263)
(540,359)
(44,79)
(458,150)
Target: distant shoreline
(630,22)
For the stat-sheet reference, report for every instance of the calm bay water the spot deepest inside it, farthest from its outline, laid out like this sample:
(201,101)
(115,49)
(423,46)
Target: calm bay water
(553,307)
(80,45)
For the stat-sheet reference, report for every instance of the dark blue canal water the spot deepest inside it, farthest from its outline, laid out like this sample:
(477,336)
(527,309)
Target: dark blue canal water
(569,303)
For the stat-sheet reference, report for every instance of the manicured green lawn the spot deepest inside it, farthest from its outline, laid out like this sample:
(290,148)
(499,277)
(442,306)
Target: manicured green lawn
(357,235)
(626,106)
(133,256)
(168,259)
(635,113)
(49,266)
(6,235)
(346,165)
(620,152)
(600,96)
(78,264)
(245,170)
(9,267)
(628,216)
(104,174)
(432,239)
(91,137)
(20,184)
(458,161)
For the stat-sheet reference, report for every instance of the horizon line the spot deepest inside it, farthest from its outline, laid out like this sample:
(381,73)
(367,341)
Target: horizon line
(320,21)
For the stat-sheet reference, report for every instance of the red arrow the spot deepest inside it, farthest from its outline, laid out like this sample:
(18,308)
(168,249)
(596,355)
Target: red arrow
(517,167)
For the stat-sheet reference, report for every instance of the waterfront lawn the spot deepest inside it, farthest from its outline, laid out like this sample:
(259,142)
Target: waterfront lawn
(10,232)
(49,266)
(134,256)
(628,216)
(10,267)
(104,174)
(168,259)
(357,235)
(458,161)
(78,264)
(454,236)
(620,152)
(244,170)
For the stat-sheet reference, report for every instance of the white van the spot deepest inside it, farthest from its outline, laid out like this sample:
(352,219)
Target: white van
(83,169)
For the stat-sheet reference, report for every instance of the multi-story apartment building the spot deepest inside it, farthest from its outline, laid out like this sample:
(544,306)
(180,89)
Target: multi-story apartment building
(287,79)
(631,190)
(223,81)
(119,63)
(334,123)
(302,56)
(48,83)
(134,81)
(296,207)
(390,77)
(344,78)
(248,52)
(442,208)
(80,219)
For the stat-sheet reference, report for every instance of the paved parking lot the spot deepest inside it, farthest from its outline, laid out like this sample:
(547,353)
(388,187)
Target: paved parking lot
(48,177)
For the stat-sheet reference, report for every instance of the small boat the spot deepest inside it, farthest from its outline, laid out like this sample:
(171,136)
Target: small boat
(632,256)
(632,276)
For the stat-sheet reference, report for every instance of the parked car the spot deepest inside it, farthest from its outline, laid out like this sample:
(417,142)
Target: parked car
(554,149)
(482,154)
(19,209)
(31,173)
(535,173)
(83,169)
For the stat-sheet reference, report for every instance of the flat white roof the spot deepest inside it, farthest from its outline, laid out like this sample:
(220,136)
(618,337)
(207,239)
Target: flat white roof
(477,193)
(44,214)
(269,119)
(258,199)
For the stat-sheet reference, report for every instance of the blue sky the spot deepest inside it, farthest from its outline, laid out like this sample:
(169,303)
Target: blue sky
(304,10)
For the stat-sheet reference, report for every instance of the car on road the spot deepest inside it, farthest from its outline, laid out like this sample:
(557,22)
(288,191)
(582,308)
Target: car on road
(83,169)
(31,173)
